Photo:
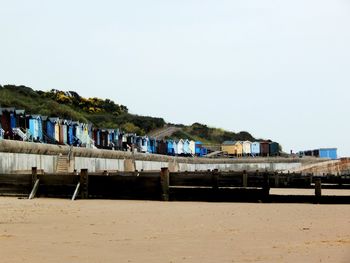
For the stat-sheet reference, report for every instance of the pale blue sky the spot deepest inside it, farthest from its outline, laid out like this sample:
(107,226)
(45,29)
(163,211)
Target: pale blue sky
(278,69)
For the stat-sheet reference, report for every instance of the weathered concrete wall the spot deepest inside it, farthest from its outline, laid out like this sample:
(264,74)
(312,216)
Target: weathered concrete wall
(98,164)
(10,162)
(15,155)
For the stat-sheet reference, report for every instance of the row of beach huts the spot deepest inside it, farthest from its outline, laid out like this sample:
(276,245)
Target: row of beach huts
(247,148)
(17,125)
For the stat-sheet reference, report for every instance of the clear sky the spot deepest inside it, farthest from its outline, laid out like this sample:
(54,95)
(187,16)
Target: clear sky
(278,69)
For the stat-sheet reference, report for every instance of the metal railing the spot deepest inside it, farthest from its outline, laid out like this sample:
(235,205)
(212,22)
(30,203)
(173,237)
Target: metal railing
(20,133)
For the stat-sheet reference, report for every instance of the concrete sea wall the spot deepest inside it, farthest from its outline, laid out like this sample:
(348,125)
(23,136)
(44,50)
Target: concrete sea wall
(16,155)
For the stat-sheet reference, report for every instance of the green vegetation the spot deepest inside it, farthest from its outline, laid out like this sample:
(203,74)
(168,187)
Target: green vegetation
(104,114)
(70,105)
(207,134)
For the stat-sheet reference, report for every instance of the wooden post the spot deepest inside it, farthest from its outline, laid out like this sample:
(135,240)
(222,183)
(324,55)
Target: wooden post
(245,179)
(318,191)
(277,180)
(164,182)
(340,182)
(266,184)
(310,179)
(215,177)
(84,183)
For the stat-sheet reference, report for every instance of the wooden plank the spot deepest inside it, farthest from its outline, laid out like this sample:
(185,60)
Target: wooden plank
(16,178)
(177,179)
(230,180)
(84,182)
(59,179)
(125,187)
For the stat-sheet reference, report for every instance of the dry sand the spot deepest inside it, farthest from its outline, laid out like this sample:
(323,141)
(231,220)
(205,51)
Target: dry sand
(54,230)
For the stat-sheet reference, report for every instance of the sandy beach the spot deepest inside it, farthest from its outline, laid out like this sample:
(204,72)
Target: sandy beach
(56,230)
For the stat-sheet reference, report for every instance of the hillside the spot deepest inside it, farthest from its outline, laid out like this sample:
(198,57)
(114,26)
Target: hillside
(104,114)
(70,105)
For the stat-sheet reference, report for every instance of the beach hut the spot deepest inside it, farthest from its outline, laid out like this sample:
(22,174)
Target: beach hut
(63,131)
(74,129)
(162,147)
(111,139)
(239,148)
(94,135)
(20,119)
(97,137)
(52,129)
(103,138)
(138,143)
(144,144)
(170,147)
(175,147)
(77,131)
(70,135)
(151,147)
(330,153)
(228,147)
(233,148)
(198,148)
(13,119)
(274,149)
(192,147)
(204,151)
(246,147)
(255,149)
(124,142)
(186,147)
(180,147)
(6,123)
(117,142)
(36,127)
(264,148)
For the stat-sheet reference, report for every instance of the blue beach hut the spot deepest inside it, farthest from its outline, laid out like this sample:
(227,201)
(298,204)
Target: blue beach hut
(330,153)
(198,148)
(51,128)
(70,137)
(255,148)
(170,147)
(35,127)
(151,145)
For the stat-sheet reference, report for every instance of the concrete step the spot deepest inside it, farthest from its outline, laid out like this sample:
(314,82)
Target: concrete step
(62,165)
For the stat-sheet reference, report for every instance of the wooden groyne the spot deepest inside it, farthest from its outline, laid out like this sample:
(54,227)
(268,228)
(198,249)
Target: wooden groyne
(211,185)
